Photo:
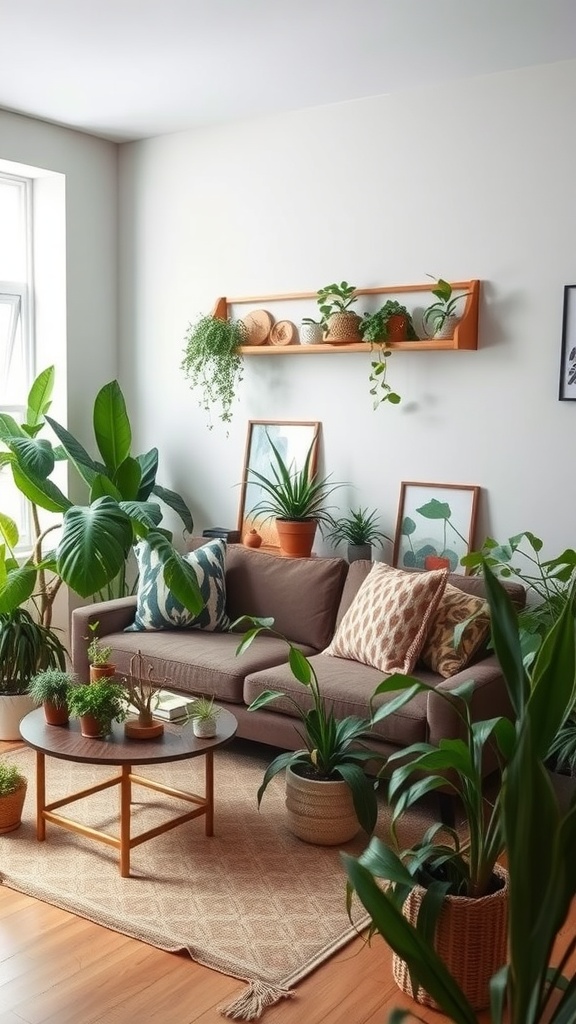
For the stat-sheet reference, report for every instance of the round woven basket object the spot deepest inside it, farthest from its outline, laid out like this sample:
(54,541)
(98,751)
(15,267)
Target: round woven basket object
(11,809)
(320,812)
(343,328)
(471,939)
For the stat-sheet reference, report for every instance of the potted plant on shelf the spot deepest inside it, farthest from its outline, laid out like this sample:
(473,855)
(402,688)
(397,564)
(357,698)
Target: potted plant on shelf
(341,322)
(390,323)
(13,787)
(312,331)
(329,796)
(539,839)
(213,364)
(51,688)
(99,656)
(203,713)
(97,705)
(296,499)
(360,530)
(441,315)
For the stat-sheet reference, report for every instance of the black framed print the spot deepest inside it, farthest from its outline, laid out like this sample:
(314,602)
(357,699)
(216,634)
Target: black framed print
(567,392)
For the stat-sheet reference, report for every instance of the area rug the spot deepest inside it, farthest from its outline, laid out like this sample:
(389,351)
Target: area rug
(252,901)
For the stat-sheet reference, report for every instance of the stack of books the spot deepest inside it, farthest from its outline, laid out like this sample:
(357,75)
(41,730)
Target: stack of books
(168,706)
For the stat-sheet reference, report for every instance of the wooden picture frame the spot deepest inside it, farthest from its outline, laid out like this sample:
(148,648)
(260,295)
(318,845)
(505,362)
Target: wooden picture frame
(293,439)
(439,536)
(567,385)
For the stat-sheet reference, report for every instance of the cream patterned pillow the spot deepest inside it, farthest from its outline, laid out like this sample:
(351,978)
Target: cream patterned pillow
(387,622)
(439,652)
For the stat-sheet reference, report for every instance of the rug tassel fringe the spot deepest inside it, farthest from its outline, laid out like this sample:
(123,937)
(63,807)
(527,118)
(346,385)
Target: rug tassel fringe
(254,1000)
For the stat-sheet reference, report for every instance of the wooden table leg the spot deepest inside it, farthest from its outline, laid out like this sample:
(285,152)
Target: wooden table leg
(209,793)
(40,796)
(125,800)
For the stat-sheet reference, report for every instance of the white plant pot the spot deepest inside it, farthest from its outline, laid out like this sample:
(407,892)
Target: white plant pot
(448,327)
(13,707)
(204,728)
(311,334)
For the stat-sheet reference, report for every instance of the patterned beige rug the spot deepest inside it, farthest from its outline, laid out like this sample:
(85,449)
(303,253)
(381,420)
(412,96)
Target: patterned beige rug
(252,902)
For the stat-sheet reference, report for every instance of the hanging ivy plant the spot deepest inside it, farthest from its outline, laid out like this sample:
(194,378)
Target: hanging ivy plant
(213,364)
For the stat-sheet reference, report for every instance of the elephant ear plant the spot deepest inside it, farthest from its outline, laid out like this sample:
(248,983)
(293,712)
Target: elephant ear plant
(538,837)
(95,539)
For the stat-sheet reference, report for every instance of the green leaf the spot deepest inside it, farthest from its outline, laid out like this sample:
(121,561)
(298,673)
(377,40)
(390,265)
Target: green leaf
(149,467)
(93,545)
(127,478)
(435,509)
(79,457)
(9,428)
(40,397)
(9,530)
(35,457)
(177,503)
(44,493)
(112,426)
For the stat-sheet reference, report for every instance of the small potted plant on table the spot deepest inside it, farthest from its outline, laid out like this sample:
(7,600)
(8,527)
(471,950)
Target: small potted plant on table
(204,714)
(141,692)
(51,688)
(99,656)
(13,787)
(97,705)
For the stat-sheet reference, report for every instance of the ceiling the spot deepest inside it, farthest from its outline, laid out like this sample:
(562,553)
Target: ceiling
(130,69)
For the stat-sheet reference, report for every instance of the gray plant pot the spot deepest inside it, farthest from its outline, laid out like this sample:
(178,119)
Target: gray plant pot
(358,551)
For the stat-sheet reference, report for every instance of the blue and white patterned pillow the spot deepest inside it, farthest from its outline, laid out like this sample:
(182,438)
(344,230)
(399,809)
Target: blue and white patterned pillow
(156,606)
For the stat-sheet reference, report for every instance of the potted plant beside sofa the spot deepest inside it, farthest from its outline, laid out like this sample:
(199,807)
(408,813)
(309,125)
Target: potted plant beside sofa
(297,499)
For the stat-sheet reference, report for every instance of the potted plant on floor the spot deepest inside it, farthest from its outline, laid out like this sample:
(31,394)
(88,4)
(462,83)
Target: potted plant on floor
(359,529)
(203,713)
(51,688)
(13,787)
(441,315)
(329,796)
(97,705)
(296,499)
(341,322)
(538,838)
(212,363)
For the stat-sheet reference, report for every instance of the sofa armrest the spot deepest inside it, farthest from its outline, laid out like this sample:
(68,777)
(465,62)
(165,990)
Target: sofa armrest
(111,616)
(489,700)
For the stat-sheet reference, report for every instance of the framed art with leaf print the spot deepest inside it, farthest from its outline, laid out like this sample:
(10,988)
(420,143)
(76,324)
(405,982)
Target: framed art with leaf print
(435,525)
(567,390)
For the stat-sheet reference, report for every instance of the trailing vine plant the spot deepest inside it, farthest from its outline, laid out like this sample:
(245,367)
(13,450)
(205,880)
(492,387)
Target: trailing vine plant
(212,363)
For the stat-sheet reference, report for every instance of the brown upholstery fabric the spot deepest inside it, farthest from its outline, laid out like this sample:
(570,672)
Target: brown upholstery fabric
(301,594)
(439,653)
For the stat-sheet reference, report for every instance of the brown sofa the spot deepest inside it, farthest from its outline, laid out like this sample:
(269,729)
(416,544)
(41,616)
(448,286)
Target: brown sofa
(307,599)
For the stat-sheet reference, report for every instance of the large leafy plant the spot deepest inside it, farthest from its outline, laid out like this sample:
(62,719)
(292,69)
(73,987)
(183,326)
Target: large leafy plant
(94,540)
(333,747)
(538,838)
(213,364)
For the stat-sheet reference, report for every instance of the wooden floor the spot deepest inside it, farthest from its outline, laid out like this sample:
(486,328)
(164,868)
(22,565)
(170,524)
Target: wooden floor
(56,968)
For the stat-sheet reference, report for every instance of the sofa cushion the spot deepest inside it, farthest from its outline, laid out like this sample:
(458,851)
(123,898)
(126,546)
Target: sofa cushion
(440,653)
(387,622)
(300,594)
(156,606)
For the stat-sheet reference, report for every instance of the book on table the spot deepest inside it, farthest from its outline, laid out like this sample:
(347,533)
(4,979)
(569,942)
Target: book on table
(168,706)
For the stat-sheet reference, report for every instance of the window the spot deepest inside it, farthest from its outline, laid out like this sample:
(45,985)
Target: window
(16,342)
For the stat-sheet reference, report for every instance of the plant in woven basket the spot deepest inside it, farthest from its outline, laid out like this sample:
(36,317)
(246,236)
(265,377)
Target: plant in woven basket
(11,778)
(538,837)
(339,320)
(333,747)
(212,363)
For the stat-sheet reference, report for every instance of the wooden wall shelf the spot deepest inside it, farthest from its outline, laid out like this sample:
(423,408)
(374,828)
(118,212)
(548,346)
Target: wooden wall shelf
(465,335)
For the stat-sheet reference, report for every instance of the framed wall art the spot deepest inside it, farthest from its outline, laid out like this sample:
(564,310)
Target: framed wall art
(435,525)
(292,439)
(567,390)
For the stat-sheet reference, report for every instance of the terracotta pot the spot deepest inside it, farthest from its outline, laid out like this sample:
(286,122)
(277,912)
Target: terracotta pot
(252,539)
(470,937)
(320,812)
(11,809)
(55,715)
(296,537)
(397,327)
(143,728)
(92,729)
(102,672)
(436,562)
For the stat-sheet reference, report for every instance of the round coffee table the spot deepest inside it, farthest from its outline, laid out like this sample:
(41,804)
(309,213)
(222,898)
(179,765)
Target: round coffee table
(178,743)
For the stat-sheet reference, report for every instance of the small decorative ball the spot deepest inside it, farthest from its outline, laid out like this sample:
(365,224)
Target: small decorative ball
(252,539)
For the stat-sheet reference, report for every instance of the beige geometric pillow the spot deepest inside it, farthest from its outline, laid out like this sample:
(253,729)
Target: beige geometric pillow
(387,622)
(439,652)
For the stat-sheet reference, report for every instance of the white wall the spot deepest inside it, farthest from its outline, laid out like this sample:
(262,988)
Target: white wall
(471,180)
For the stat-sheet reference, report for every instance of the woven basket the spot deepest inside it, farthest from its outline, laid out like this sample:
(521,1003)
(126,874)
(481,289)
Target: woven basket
(320,812)
(471,939)
(343,328)
(11,809)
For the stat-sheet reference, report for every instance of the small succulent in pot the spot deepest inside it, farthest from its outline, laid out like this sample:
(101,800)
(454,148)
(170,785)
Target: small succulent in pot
(203,712)
(359,529)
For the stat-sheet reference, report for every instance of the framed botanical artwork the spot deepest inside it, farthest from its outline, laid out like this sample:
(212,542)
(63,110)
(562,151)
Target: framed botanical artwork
(435,525)
(292,439)
(567,390)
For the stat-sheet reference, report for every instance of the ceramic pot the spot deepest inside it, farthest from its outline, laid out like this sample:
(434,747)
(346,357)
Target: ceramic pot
(143,728)
(252,539)
(91,728)
(448,327)
(397,327)
(359,551)
(13,707)
(296,537)
(311,334)
(204,728)
(320,812)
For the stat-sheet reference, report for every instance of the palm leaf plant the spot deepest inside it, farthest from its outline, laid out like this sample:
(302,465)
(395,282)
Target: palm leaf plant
(357,527)
(94,540)
(333,747)
(538,837)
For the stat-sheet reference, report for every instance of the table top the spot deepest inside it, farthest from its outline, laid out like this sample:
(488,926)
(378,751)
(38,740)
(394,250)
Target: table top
(177,742)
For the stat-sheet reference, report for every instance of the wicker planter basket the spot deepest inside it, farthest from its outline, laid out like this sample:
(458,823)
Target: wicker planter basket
(11,809)
(320,812)
(471,939)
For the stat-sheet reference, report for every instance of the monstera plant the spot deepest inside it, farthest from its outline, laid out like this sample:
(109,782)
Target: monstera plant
(94,539)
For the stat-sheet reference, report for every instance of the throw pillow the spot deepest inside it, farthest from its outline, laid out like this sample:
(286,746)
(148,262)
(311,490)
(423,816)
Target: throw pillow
(387,622)
(440,653)
(156,606)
